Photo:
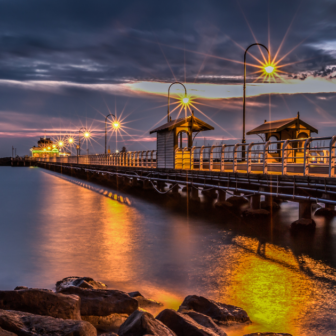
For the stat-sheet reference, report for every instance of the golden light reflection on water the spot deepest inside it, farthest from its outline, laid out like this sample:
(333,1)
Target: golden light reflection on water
(269,286)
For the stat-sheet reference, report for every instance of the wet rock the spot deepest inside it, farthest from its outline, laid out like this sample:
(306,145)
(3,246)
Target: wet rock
(103,302)
(205,321)
(107,323)
(267,334)
(183,325)
(142,323)
(20,287)
(255,213)
(6,333)
(269,205)
(237,200)
(303,224)
(325,212)
(219,312)
(82,282)
(41,302)
(144,302)
(27,324)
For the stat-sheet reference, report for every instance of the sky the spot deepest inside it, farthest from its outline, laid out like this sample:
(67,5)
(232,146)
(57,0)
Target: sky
(66,64)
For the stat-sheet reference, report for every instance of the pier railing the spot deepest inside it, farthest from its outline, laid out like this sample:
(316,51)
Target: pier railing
(312,156)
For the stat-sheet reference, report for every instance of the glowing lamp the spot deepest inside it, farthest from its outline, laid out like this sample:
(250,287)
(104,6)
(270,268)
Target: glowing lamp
(53,146)
(86,134)
(185,100)
(49,148)
(269,69)
(70,140)
(60,144)
(116,124)
(44,149)
(117,151)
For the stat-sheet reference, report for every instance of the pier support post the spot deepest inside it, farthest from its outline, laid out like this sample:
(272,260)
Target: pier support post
(161,185)
(305,210)
(255,201)
(194,194)
(221,195)
(176,188)
(147,185)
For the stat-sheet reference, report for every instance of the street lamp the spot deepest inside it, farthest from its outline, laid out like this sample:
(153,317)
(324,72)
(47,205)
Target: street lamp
(185,99)
(115,124)
(86,135)
(269,69)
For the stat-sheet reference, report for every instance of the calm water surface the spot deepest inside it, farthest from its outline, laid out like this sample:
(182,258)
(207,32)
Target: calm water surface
(52,227)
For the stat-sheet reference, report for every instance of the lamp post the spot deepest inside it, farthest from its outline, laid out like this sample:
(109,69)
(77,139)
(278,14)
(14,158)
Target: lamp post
(185,92)
(86,135)
(244,88)
(116,125)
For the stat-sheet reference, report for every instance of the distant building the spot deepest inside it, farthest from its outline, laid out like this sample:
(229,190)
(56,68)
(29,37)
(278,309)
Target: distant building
(47,148)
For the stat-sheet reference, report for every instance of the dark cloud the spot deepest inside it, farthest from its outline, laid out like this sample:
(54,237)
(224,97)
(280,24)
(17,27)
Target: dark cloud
(97,42)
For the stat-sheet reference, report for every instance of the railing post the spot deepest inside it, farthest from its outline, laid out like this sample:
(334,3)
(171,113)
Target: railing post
(332,157)
(265,168)
(222,159)
(284,157)
(249,158)
(192,157)
(305,157)
(201,158)
(235,158)
(211,158)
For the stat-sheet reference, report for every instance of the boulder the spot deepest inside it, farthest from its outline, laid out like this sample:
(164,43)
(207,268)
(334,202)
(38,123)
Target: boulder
(219,312)
(182,324)
(41,302)
(324,212)
(267,334)
(144,302)
(303,224)
(142,323)
(20,287)
(103,302)
(82,282)
(107,323)
(255,213)
(27,324)
(205,321)
(269,205)
(6,333)
(237,200)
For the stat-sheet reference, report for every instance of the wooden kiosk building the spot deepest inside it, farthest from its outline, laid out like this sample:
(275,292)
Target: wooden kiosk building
(170,137)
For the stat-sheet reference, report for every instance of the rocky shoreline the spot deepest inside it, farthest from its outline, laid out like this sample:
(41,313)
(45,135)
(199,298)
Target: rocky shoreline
(81,306)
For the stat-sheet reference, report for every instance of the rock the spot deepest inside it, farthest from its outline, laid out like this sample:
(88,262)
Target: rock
(20,287)
(107,323)
(324,212)
(41,302)
(103,302)
(33,325)
(143,302)
(205,321)
(303,224)
(183,325)
(269,205)
(6,333)
(82,282)
(219,312)
(267,334)
(142,323)
(255,213)
(237,200)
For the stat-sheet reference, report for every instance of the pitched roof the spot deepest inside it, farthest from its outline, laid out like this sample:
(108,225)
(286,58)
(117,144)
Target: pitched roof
(197,125)
(279,125)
